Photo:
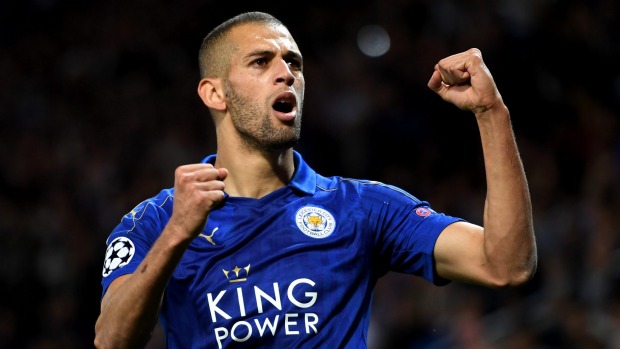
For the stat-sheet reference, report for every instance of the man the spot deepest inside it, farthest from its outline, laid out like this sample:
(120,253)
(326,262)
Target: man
(252,248)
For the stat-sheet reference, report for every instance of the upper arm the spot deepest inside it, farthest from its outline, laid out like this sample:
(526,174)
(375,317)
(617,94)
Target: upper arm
(114,285)
(459,254)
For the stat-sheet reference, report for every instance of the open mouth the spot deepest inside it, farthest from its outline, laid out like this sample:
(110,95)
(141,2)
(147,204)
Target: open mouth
(285,103)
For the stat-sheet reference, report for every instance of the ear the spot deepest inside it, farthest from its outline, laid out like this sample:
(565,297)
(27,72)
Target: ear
(211,92)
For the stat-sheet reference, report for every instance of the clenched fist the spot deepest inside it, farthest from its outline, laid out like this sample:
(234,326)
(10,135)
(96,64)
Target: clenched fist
(465,81)
(198,188)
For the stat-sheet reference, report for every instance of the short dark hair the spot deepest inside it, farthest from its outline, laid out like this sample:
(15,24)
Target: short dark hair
(214,53)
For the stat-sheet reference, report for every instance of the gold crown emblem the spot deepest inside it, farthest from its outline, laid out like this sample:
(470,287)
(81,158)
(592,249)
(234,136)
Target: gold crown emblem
(235,276)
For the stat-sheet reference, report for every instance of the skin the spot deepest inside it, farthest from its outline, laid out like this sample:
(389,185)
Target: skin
(255,157)
(503,253)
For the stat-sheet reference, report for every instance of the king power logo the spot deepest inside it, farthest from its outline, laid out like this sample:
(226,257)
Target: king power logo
(241,301)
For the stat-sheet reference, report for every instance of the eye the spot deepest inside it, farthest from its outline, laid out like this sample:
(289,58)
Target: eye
(259,61)
(295,64)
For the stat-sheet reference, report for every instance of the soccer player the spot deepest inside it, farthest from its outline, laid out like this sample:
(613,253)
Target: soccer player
(253,248)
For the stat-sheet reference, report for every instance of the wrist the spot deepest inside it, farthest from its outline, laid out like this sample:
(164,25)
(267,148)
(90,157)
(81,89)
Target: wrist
(177,235)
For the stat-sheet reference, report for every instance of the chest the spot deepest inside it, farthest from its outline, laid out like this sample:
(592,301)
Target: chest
(273,256)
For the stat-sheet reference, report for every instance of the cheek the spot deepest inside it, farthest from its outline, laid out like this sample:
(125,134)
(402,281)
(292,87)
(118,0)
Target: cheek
(252,88)
(300,85)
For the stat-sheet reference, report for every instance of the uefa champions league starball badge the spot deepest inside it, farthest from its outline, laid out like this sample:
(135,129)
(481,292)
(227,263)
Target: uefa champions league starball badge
(119,253)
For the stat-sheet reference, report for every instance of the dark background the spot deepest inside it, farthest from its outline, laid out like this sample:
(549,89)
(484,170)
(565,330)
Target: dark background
(98,105)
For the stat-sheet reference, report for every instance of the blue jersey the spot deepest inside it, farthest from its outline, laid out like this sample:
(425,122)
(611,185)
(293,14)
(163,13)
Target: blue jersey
(293,269)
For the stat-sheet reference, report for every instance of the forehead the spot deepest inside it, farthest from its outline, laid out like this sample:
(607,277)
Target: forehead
(266,36)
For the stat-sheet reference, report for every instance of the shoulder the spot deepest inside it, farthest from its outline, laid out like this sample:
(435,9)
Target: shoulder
(161,202)
(368,189)
(154,211)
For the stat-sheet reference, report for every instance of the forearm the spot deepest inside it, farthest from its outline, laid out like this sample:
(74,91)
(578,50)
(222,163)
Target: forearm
(129,311)
(509,242)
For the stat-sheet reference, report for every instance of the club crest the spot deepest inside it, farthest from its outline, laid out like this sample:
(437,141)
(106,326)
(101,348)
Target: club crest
(315,222)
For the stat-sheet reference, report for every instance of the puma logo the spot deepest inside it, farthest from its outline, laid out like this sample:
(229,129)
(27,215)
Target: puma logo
(210,237)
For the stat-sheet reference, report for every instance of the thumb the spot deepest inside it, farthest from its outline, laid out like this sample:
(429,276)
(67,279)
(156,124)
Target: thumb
(436,82)
(223,173)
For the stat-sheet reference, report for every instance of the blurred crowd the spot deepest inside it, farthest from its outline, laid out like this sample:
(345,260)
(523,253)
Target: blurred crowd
(98,105)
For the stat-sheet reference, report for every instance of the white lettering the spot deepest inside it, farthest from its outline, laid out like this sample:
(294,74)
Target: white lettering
(237,324)
(272,326)
(257,326)
(241,303)
(220,337)
(238,334)
(275,301)
(311,295)
(214,308)
(311,323)
(288,323)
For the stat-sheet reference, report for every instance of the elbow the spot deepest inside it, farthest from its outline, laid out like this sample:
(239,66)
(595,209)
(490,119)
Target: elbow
(110,338)
(107,339)
(103,337)
(521,277)
(109,342)
(525,271)
(518,270)
(517,276)
(101,343)
(104,342)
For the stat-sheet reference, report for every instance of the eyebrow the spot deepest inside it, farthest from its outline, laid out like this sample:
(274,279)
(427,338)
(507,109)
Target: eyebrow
(270,53)
(294,54)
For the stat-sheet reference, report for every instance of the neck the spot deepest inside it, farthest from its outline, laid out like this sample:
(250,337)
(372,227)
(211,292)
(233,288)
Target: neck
(255,174)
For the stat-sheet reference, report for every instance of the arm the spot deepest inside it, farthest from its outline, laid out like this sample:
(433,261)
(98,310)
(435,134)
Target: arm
(130,306)
(503,252)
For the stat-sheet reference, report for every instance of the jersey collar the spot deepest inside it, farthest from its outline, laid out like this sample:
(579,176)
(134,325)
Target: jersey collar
(304,178)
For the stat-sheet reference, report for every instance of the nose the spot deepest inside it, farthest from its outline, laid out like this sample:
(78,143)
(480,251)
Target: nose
(284,73)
